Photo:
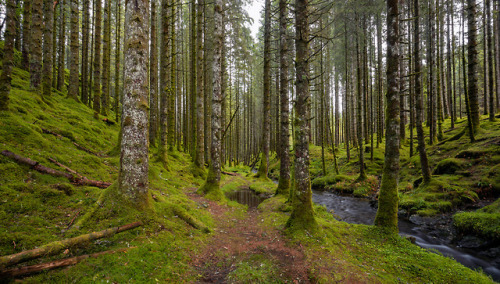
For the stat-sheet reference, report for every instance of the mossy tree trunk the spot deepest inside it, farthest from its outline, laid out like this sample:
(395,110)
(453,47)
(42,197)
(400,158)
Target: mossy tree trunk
(74,73)
(211,188)
(192,82)
(36,44)
(266,127)
(48,63)
(8,54)
(472,68)
(62,46)
(97,57)
(284,179)
(106,57)
(302,216)
(133,177)
(424,162)
(153,79)
(173,76)
(200,141)
(387,213)
(497,52)
(359,116)
(26,34)
(491,64)
(85,51)
(164,64)
(117,60)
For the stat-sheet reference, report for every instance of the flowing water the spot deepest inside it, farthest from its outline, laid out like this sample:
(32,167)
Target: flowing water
(359,211)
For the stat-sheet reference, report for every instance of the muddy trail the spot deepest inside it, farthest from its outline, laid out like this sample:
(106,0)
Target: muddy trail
(240,239)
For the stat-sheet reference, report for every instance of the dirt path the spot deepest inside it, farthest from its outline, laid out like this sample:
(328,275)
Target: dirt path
(239,237)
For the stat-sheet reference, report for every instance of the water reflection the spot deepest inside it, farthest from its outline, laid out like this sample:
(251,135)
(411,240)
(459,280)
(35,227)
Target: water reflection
(245,196)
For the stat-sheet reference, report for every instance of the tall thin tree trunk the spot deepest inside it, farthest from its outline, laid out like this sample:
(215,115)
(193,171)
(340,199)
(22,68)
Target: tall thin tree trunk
(302,216)
(164,65)
(424,163)
(200,141)
(48,62)
(74,74)
(117,60)
(359,116)
(284,179)
(97,58)
(153,79)
(490,61)
(264,162)
(387,213)
(8,54)
(472,64)
(26,34)
(212,185)
(62,46)
(106,57)
(85,51)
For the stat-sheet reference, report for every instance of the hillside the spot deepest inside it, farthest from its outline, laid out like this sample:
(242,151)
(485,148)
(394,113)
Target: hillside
(187,238)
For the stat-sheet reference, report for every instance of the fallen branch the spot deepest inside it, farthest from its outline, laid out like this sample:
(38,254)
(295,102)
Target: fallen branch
(72,176)
(65,167)
(229,174)
(184,216)
(54,264)
(58,246)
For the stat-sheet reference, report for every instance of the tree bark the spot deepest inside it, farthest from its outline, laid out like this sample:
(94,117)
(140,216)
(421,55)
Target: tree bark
(97,57)
(200,141)
(472,68)
(106,58)
(74,74)
(387,213)
(8,55)
(26,34)
(85,52)
(62,46)
(211,188)
(424,163)
(302,217)
(117,60)
(266,120)
(153,79)
(284,179)
(491,63)
(134,167)
(48,63)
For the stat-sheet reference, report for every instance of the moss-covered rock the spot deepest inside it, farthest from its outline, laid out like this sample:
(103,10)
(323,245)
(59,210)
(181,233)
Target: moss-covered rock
(448,166)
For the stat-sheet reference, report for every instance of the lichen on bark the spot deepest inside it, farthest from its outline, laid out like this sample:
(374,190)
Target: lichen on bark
(133,177)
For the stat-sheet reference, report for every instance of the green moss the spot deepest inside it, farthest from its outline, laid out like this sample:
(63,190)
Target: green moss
(484,222)
(256,268)
(448,166)
(328,180)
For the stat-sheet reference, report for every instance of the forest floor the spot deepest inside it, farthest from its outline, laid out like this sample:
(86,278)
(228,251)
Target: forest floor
(188,239)
(240,241)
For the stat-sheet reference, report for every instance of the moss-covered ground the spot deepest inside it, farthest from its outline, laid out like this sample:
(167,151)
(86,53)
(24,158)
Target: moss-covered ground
(180,226)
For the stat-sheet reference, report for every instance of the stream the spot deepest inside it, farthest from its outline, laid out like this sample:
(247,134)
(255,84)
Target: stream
(359,211)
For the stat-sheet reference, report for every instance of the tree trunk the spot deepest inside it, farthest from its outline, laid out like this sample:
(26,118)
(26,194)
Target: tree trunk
(97,57)
(490,62)
(266,120)
(117,60)
(164,64)
(74,74)
(8,55)
(284,179)
(173,87)
(424,163)
(472,64)
(387,213)
(133,176)
(85,52)
(359,116)
(48,63)
(26,34)
(302,217)
(211,188)
(200,141)
(106,57)
(62,46)
(153,79)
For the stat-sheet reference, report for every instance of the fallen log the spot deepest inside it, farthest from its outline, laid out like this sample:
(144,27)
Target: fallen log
(81,180)
(229,174)
(13,272)
(74,178)
(58,246)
